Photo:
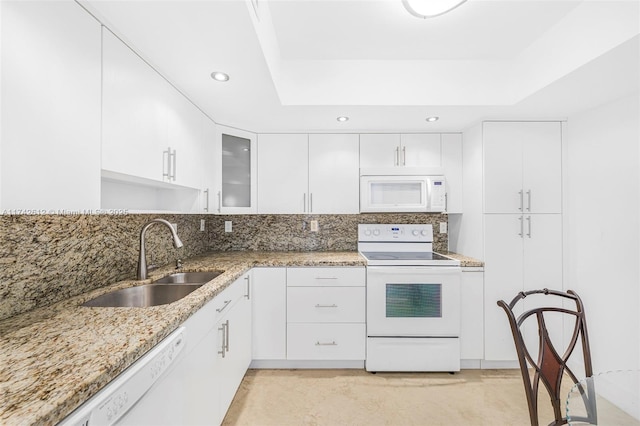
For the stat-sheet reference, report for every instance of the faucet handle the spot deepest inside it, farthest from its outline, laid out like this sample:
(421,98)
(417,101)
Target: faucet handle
(178,263)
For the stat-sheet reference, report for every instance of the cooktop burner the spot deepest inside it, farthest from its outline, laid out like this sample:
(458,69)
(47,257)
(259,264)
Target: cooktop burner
(408,258)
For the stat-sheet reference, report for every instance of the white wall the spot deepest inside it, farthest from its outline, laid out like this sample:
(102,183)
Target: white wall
(602,216)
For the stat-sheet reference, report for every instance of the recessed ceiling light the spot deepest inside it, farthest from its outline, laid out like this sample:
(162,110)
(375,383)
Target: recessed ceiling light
(342,119)
(432,119)
(219,76)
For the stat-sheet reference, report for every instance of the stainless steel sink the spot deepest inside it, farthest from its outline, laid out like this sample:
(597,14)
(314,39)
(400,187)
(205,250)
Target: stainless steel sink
(143,296)
(189,277)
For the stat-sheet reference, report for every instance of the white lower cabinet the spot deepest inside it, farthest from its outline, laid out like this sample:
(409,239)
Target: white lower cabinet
(233,344)
(326,314)
(269,320)
(472,314)
(202,383)
(322,341)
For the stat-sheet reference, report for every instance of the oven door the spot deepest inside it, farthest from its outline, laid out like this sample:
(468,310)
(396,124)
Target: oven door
(413,301)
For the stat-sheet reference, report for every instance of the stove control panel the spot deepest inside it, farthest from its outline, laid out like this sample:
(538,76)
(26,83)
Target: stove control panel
(395,232)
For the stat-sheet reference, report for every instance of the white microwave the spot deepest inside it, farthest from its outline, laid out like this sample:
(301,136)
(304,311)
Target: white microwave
(402,193)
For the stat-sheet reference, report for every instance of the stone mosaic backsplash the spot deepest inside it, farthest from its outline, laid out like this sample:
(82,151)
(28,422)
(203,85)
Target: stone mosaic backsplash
(48,258)
(293,232)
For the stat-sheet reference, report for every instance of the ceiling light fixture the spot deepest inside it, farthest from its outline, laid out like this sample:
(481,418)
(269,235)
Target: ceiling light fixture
(430,8)
(219,76)
(432,119)
(342,119)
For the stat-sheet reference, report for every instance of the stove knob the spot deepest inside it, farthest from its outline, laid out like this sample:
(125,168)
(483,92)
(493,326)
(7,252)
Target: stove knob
(376,232)
(415,232)
(367,232)
(423,233)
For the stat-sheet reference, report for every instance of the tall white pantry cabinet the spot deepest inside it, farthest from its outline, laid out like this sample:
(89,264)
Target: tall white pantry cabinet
(522,215)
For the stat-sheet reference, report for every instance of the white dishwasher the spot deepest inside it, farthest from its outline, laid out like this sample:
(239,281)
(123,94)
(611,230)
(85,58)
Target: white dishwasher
(118,401)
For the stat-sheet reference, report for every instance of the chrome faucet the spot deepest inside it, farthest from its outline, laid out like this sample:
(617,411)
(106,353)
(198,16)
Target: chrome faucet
(142,260)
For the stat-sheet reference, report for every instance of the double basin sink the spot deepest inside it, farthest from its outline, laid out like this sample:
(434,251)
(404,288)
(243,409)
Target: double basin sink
(160,292)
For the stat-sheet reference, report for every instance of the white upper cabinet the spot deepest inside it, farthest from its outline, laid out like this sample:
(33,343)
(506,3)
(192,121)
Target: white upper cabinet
(50,140)
(379,150)
(300,173)
(333,174)
(283,173)
(185,136)
(390,150)
(150,130)
(234,172)
(522,163)
(420,150)
(134,124)
(452,166)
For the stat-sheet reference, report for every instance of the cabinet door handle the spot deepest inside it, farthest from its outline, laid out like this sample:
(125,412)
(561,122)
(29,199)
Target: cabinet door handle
(404,155)
(529,200)
(219,201)
(326,344)
(521,227)
(326,306)
(310,202)
(248,295)
(529,223)
(304,202)
(224,335)
(326,278)
(166,163)
(397,160)
(206,200)
(521,200)
(173,165)
(226,303)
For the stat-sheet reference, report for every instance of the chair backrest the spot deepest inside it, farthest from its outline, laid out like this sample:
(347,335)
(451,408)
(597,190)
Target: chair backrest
(549,365)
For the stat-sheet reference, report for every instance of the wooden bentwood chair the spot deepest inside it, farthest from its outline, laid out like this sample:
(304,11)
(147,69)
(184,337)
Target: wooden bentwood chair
(550,366)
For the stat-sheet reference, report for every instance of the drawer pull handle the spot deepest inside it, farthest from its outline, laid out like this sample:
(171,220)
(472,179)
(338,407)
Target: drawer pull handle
(326,278)
(226,303)
(326,344)
(326,306)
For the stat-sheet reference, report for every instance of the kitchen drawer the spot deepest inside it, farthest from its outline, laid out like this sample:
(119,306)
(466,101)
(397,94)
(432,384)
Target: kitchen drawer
(326,277)
(325,304)
(228,297)
(326,341)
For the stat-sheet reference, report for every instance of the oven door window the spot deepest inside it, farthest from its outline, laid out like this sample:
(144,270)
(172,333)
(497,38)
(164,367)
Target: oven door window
(414,301)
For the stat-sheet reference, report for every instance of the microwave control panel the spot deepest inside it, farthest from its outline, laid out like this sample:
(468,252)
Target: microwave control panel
(438,195)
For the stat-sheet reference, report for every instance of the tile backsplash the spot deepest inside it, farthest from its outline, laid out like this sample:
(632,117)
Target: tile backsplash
(48,258)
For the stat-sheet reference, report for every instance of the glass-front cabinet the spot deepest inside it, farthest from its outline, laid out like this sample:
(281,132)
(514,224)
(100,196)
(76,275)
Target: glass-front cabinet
(236,160)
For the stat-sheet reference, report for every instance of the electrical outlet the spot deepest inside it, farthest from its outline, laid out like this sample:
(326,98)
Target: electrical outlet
(201,224)
(228,226)
(443,227)
(314,226)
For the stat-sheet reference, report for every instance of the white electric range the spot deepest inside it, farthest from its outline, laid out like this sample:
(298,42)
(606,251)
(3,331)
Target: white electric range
(413,300)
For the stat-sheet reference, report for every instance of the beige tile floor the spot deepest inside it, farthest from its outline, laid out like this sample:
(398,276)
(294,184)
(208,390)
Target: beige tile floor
(355,397)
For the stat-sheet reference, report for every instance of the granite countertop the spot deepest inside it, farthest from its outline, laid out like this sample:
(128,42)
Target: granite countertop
(465,261)
(54,358)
